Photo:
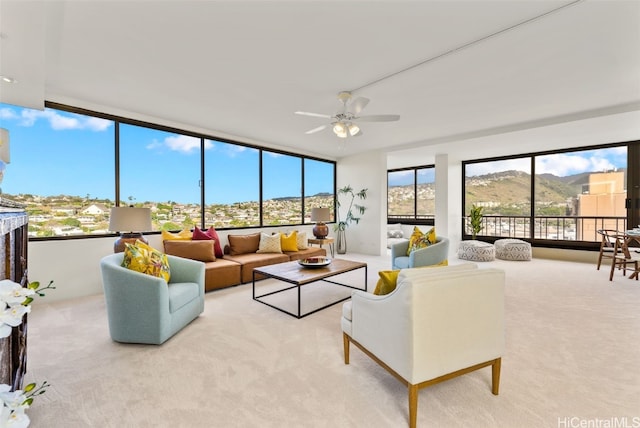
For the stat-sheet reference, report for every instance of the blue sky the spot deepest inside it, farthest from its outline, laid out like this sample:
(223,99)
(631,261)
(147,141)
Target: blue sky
(55,152)
(558,164)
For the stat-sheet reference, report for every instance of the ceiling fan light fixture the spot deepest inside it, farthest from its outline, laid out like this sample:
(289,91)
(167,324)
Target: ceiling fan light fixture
(340,129)
(353,129)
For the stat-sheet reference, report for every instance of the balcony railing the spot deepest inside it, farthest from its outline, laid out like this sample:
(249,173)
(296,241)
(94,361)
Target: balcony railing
(560,228)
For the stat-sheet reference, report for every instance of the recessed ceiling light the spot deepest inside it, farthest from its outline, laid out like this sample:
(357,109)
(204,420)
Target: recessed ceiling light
(8,79)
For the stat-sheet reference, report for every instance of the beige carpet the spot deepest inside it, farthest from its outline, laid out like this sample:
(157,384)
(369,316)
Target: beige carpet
(573,342)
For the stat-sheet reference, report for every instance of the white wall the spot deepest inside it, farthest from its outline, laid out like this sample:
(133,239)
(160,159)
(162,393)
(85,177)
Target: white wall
(368,171)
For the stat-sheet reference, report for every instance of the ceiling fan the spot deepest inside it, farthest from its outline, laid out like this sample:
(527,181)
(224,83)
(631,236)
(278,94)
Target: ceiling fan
(345,121)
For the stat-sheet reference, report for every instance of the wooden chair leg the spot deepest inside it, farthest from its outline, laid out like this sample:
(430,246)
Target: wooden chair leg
(599,260)
(613,267)
(413,405)
(345,343)
(495,376)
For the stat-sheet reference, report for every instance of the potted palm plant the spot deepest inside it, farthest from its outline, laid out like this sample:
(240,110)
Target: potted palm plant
(354,213)
(475,220)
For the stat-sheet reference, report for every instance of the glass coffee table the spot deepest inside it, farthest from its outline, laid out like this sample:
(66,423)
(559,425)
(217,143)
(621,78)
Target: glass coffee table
(298,275)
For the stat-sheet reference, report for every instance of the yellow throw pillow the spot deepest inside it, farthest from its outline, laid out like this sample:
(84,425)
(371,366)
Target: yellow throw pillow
(289,242)
(140,257)
(387,282)
(420,240)
(183,235)
(389,279)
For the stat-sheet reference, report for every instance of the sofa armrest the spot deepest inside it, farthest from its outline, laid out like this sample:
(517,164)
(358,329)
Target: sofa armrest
(431,255)
(186,270)
(382,324)
(399,249)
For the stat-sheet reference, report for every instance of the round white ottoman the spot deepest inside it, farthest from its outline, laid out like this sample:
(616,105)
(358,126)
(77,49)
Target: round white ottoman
(513,249)
(476,251)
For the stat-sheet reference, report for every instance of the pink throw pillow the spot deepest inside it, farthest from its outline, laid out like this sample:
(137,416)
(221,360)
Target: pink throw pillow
(209,234)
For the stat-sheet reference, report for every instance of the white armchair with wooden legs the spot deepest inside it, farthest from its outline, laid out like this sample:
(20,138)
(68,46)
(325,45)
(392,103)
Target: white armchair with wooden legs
(437,324)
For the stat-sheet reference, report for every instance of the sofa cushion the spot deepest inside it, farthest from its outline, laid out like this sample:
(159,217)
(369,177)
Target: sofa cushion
(221,273)
(211,233)
(143,258)
(243,244)
(395,231)
(181,293)
(420,239)
(254,260)
(289,242)
(269,243)
(196,250)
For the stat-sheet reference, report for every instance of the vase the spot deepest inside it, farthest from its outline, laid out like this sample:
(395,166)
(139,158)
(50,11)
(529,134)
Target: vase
(342,242)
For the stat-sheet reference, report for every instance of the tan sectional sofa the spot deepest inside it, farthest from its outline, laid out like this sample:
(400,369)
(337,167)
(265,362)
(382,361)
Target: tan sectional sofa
(240,257)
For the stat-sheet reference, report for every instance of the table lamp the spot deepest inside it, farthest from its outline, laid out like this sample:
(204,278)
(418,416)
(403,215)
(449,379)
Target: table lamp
(320,215)
(130,222)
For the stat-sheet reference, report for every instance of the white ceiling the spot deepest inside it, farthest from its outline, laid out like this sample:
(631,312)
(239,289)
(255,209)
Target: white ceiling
(241,68)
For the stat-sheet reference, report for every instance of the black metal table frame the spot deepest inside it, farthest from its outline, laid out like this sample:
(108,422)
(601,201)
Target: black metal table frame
(299,285)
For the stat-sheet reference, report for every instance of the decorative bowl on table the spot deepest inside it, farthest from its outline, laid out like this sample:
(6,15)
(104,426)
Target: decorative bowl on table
(313,262)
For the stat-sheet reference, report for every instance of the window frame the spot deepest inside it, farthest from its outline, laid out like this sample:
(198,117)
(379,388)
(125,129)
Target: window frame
(414,220)
(552,243)
(202,136)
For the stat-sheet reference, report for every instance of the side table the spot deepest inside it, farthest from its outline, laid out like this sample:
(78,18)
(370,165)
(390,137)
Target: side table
(321,242)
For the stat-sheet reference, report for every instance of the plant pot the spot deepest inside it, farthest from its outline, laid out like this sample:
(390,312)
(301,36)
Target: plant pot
(342,242)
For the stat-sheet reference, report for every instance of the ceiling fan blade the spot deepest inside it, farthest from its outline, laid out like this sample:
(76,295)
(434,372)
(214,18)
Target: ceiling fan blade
(314,130)
(379,118)
(306,113)
(358,105)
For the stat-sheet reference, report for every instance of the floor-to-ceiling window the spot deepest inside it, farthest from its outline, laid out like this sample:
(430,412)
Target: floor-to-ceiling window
(161,170)
(232,185)
(411,195)
(558,198)
(61,169)
(281,189)
(69,166)
(319,182)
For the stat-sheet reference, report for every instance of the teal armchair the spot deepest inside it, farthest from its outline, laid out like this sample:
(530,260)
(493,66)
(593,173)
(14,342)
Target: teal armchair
(431,255)
(144,309)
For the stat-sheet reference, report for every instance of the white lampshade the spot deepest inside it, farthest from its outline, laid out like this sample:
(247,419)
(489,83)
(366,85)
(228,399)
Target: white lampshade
(320,214)
(4,146)
(130,219)
(353,129)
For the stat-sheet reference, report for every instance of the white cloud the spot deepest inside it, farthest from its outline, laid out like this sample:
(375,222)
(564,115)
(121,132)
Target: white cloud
(562,164)
(183,143)
(59,122)
(7,114)
(233,150)
(559,164)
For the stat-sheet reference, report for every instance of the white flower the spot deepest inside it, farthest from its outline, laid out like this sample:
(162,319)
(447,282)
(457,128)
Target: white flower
(13,406)
(13,293)
(13,419)
(11,317)
(14,400)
